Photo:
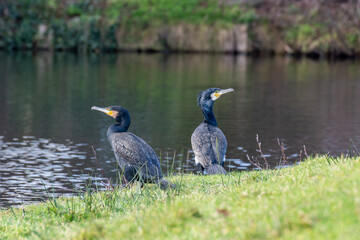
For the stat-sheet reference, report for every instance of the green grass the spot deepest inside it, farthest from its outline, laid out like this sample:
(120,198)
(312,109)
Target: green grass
(96,24)
(317,199)
(167,11)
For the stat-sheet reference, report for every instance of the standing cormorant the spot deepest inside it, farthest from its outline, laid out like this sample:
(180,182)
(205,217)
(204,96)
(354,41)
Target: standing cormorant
(208,141)
(136,158)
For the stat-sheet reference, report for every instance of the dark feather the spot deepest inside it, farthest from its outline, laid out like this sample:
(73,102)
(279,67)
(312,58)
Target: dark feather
(131,150)
(209,145)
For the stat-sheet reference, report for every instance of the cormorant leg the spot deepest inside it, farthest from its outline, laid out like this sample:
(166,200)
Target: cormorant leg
(130,174)
(124,180)
(200,168)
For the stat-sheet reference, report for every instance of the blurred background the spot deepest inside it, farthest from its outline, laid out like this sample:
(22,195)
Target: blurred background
(293,65)
(313,27)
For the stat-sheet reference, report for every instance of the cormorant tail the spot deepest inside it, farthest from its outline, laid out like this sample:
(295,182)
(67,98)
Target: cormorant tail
(165,184)
(215,169)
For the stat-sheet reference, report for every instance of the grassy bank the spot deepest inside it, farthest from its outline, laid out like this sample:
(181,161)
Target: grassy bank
(317,28)
(82,25)
(317,199)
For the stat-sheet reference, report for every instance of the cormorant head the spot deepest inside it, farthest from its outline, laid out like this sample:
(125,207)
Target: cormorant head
(120,114)
(208,96)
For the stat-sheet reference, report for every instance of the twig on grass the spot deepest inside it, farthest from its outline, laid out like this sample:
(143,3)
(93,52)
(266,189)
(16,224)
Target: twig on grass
(260,150)
(108,186)
(281,145)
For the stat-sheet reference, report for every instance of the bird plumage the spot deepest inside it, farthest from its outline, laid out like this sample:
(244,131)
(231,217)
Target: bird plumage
(208,141)
(209,145)
(132,151)
(135,157)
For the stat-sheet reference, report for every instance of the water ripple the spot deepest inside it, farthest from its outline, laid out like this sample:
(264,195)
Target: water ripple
(29,167)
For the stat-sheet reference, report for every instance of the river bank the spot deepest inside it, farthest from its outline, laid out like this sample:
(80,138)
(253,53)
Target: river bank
(264,27)
(317,199)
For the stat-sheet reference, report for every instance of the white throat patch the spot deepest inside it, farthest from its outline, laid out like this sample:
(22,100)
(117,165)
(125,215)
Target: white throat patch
(213,97)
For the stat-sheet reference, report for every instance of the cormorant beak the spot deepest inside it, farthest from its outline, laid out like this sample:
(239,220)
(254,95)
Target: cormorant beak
(218,94)
(104,110)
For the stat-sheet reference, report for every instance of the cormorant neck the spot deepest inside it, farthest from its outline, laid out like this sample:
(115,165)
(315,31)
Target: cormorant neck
(121,125)
(209,117)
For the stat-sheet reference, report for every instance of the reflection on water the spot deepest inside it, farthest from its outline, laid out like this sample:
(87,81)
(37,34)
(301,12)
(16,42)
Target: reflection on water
(28,165)
(47,128)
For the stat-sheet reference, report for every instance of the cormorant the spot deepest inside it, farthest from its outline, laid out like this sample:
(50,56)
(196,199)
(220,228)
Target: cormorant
(208,141)
(136,158)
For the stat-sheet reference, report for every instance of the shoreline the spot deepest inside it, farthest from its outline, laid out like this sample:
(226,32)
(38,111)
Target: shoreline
(310,56)
(266,27)
(317,198)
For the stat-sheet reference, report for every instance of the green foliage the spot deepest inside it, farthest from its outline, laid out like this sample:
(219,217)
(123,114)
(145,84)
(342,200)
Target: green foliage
(317,199)
(19,26)
(300,33)
(306,30)
(98,22)
(25,34)
(19,21)
(353,39)
(193,11)
(110,42)
(65,38)
(74,10)
(248,16)
(291,35)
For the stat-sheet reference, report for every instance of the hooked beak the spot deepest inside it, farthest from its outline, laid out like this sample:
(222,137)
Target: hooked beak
(221,92)
(104,110)
(218,94)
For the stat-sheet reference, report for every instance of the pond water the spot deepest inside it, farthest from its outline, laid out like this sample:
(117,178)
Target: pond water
(47,128)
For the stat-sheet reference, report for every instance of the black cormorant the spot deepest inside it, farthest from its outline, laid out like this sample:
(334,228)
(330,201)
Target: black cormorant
(208,141)
(136,158)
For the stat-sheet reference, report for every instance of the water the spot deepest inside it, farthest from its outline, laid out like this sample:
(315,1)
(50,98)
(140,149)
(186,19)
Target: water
(47,128)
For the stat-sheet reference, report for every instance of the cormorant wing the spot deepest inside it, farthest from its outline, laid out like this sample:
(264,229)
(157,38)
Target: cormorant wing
(136,152)
(209,145)
(219,145)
